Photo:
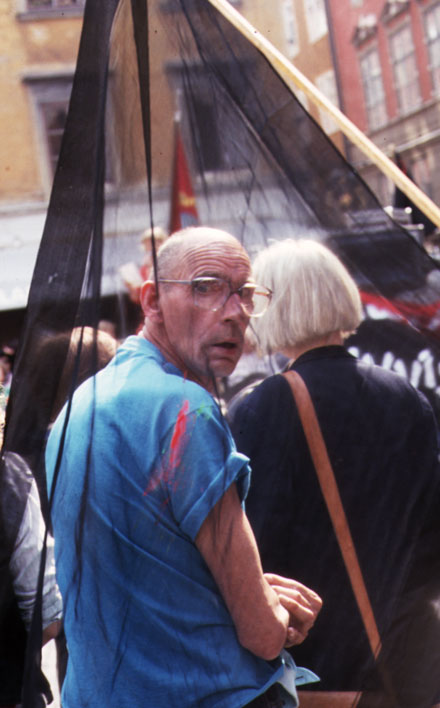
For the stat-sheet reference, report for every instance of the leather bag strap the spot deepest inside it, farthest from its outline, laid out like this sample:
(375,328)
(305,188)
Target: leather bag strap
(330,491)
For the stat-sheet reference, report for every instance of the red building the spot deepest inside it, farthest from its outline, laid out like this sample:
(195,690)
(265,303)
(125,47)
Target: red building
(387,59)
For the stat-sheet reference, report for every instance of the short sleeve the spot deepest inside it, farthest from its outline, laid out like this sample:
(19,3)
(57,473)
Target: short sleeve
(200,464)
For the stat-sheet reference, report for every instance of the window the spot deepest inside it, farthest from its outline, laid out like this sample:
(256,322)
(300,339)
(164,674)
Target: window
(316,19)
(432,35)
(366,28)
(207,134)
(406,80)
(327,85)
(30,9)
(53,4)
(216,141)
(54,114)
(50,97)
(392,8)
(290,27)
(374,93)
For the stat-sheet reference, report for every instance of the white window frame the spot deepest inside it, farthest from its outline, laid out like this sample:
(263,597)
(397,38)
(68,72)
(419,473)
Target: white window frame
(58,8)
(405,71)
(431,21)
(373,87)
(316,19)
(290,25)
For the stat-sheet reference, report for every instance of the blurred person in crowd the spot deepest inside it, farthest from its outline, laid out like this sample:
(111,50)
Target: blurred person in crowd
(63,360)
(89,350)
(133,274)
(252,368)
(168,604)
(107,326)
(7,356)
(381,437)
(3,397)
(22,531)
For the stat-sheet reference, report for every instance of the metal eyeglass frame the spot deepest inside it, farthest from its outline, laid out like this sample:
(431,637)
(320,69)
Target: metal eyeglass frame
(266,292)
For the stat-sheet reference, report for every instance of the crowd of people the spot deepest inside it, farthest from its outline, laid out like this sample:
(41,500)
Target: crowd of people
(195,538)
(7,356)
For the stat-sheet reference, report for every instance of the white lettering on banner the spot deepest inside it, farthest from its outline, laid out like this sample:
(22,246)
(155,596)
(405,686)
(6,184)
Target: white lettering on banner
(427,360)
(416,372)
(380,312)
(421,371)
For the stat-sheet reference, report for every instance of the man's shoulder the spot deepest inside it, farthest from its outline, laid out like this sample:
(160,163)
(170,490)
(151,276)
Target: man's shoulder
(138,385)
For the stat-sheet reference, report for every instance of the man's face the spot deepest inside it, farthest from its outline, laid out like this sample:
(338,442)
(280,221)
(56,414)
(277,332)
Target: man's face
(206,344)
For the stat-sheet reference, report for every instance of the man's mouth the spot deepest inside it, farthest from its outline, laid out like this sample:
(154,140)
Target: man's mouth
(226,345)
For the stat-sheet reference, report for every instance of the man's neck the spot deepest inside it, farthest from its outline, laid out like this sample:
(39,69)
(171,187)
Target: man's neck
(149,333)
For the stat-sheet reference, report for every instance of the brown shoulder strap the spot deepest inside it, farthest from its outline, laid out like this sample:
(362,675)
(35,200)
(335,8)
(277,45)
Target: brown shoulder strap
(330,491)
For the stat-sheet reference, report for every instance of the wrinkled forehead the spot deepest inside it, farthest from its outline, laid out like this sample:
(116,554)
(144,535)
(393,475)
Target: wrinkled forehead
(222,257)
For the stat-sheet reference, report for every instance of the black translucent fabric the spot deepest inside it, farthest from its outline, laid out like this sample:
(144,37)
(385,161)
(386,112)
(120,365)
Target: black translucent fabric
(263,170)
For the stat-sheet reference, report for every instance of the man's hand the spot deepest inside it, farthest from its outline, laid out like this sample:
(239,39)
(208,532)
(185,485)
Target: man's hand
(302,604)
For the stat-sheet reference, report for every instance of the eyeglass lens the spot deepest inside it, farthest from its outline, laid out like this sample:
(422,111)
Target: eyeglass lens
(212,294)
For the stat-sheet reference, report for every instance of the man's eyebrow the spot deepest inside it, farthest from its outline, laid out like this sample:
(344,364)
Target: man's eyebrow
(211,274)
(215,274)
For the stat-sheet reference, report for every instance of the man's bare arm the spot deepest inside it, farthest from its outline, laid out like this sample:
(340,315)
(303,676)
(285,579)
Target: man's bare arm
(227,543)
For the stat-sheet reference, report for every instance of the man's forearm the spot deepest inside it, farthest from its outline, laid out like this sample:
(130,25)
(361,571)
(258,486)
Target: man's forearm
(227,543)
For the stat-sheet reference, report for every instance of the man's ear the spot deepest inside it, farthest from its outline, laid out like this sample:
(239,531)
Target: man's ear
(150,302)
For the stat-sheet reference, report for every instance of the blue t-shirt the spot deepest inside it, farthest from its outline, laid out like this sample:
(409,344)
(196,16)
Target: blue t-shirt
(149,454)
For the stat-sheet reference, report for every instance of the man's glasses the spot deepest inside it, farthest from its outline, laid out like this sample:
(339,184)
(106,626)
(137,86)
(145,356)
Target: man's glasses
(212,293)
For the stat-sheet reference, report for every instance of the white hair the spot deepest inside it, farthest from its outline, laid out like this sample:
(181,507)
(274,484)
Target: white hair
(313,295)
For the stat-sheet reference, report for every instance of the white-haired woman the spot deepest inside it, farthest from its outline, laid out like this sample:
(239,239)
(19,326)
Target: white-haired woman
(382,442)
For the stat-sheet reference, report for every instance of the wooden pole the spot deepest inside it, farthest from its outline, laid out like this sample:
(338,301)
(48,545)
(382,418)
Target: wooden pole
(296,80)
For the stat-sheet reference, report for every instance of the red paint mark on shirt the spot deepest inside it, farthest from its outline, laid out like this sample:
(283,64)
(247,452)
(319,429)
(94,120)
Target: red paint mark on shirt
(167,471)
(178,435)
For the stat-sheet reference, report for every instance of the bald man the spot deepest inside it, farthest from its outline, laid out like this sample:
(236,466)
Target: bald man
(165,602)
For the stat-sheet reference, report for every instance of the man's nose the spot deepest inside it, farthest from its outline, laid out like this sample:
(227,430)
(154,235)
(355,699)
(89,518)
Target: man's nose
(233,308)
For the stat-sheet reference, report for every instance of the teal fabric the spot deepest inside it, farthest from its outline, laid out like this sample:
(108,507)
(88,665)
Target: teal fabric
(144,620)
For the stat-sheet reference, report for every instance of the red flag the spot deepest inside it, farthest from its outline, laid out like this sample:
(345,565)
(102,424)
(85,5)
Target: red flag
(422,316)
(183,203)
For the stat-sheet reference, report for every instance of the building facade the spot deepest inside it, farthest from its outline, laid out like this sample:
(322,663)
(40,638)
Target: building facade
(40,40)
(387,57)
(300,30)
(39,44)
